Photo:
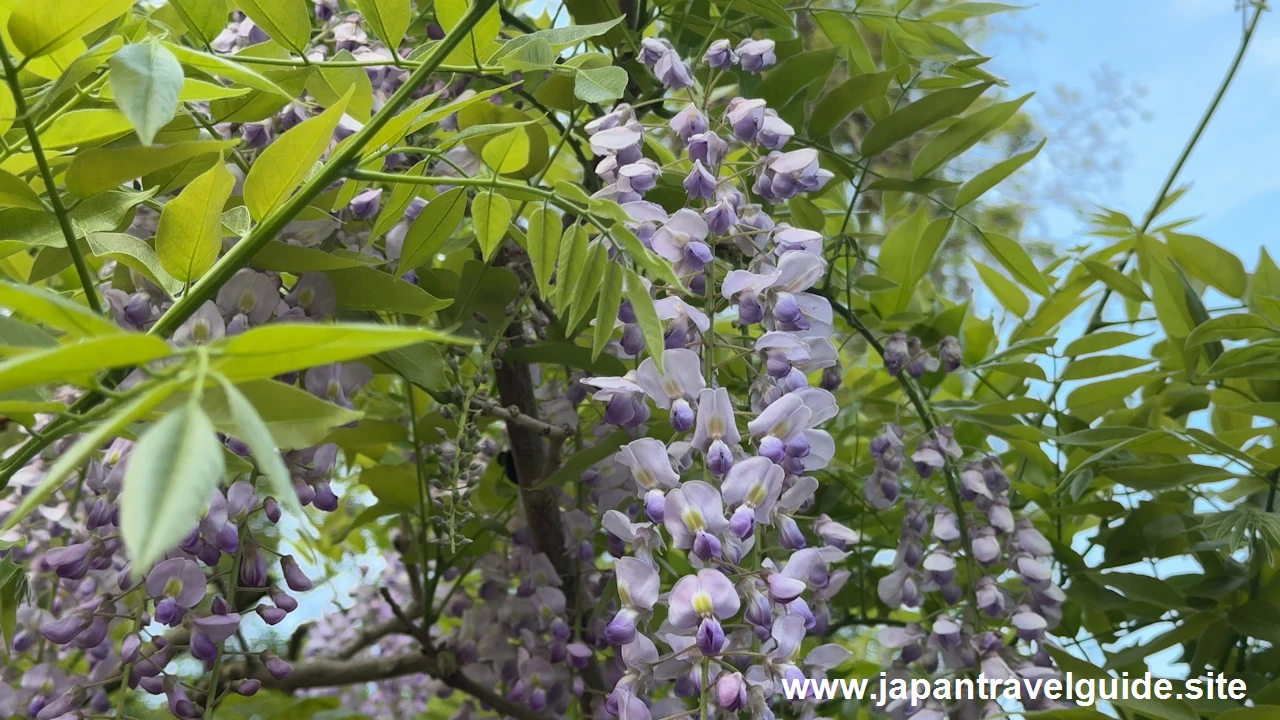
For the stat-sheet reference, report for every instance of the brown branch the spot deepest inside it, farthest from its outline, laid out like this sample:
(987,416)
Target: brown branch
(513,415)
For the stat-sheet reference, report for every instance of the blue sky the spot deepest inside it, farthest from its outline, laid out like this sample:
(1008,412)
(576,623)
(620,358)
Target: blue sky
(1178,51)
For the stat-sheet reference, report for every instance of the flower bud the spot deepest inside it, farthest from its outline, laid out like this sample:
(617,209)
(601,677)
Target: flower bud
(294,577)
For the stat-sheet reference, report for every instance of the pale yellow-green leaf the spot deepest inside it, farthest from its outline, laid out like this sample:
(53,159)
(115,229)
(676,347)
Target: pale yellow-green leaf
(80,128)
(477,46)
(543,241)
(8,110)
(508,153)
(225,67)
(98,170)
(288,22)
(54,310)
(646,315)
(16,193)
(205,18)
(190,232)
(389,19)
(607,308)
(133,253)
(39,27)
(330,84)
(146,80)
(193,90)
(491,214)
(286,163)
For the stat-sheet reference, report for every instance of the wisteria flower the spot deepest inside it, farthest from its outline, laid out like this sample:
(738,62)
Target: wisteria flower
(694,516)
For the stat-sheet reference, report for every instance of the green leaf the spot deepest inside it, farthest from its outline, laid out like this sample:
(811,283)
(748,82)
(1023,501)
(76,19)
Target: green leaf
(646,315)
(918,116)
(39,27)
(508,153)
(532,53)
(85,127)
(190,233)
(175,467)
(205,18)
(1116,280)
(559,37)
(366,288)
(579,462)
(600,85)
(282,167)
(394,485)
(1098,365)
(841,31)
(906,255)
(475,48)
(965,10)
(8,108)
(769,10)
(994,175)
(1142,588)
(805,214)
(251,429)
(794,75)
(607,308)
(834,107)
(135,254)
(389,18)
(145,82)
(1099,341)
(1168,296)
(295,418)
(54,310)
(421,364)
(574,356)
(88,443)
(434,225)
(331,84)
(14,589)
(16,335)
(1236,326)
(491,214)
(964,134)
(78,362)
(271,350)
(97,170)
(1208,262)
(16,193)
(573,257)
(587,283)
(543,246)
(227,68)
(1010,254)
(288,22)
(1004,289)
(284,257)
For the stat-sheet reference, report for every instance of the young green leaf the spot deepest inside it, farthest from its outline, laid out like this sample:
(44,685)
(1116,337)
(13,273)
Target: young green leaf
(14,589)
(543,241)
(271,350)
(287,21)
(794,74)
(330,84)
(78,362)
(145,81)
(588,283)
(508,153)
(205,18)
(1097,342)
(97,170)
(90,442)
(434,225)
(39,27)
(599,85)
(533,53)
(1016,260)
(491,214)
(646,315)
(476,47)
(295,418)
(54,310)
(805,214)
(80,128)
(1116,280)
(366,288)
(8,109)
(251,430)
(833,107)
(227,68)
(1004,290)
(1209,262)
(994,175)
(282,167)
(906,255)
(964,134)
(607,308)
(16,193)
(918,116)
(573,257)
(190,232)
(135,254)
(389,19)
(175,467)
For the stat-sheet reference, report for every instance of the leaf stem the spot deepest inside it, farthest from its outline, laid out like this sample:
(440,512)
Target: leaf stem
(55,200)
